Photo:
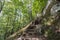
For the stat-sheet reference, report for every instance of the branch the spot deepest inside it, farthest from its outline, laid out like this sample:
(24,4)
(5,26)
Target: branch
(48,7)
(2,4)
(18,32)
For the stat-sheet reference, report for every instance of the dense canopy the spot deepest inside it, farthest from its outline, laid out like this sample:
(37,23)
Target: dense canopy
(16,14)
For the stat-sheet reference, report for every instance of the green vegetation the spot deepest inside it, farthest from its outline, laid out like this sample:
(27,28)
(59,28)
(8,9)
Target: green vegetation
(16,14)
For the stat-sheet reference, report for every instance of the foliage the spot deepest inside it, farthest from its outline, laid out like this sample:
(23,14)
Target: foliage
(18,13)
(38,6)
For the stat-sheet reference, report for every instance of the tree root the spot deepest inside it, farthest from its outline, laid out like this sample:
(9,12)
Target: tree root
(14,35)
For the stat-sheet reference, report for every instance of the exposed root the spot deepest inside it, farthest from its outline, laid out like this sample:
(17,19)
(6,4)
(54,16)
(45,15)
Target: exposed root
(18,32)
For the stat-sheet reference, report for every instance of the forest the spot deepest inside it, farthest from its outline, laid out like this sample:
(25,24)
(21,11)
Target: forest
(17,16)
